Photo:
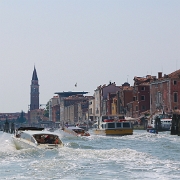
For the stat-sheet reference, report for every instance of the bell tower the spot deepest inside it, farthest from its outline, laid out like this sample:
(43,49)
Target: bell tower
(34,99)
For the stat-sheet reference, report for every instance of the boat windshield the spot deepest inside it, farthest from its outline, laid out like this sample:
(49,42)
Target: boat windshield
(112,117)
(78,131)
(47,139)
(165,116)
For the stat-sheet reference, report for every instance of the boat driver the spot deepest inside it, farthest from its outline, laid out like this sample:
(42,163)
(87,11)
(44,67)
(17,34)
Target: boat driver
(50,139)
(40,139)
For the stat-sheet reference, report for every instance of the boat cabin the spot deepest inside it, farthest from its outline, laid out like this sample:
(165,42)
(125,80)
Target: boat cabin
(115,125)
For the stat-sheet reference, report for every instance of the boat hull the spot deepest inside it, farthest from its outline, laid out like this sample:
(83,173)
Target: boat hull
(68,132)
(23,144)
(111,132)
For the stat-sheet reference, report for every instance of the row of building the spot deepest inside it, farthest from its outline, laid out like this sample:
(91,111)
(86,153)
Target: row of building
(148,95)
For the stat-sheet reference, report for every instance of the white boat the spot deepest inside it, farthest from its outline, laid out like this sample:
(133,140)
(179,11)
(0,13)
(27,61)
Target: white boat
(71,131)
(166,122)
(32,137)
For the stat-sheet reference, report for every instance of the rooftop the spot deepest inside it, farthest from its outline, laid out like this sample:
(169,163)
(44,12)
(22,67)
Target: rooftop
(69,93)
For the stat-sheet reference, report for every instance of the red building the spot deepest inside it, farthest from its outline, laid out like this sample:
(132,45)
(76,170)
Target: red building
(165,92)
(141,96)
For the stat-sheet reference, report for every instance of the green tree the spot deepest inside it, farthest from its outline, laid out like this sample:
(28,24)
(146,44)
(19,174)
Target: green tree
(21,119)
(46,110)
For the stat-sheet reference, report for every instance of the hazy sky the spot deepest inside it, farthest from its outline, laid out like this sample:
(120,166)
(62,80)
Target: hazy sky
(90,42)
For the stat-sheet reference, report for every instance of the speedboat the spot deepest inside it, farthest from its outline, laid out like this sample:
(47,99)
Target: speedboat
(33,137)
(74,131)
(114,126)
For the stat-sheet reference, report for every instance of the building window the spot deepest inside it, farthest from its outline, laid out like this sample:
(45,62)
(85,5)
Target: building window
(142,98)
(159,98)
(175,97)
(134,98)
(175,82)
(136,108)
(143,107)
(175,108)
(90,111)
(142,88)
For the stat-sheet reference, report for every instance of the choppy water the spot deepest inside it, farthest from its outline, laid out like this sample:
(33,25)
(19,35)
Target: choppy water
(139,156)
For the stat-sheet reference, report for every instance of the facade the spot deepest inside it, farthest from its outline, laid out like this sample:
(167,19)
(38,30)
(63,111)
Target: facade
(124,96)
(108,92)
(141,96)
(34,99)
(11,116)
(36,116)
(103,99)
(165,93)
(54,109)
(97,99)
(67,99)
(92,109)
(110,104)
(71,114)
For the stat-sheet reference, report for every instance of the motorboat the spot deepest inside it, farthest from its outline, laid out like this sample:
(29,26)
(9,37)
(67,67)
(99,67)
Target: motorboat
(33,137)
(152,130)
(74,131)
(165,122)
(114,126)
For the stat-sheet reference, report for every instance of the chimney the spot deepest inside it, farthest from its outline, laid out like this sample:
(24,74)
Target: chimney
(159,75)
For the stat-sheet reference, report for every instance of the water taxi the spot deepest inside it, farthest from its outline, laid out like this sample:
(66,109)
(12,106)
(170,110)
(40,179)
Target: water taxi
(74,131)
(33,137)
(114,126)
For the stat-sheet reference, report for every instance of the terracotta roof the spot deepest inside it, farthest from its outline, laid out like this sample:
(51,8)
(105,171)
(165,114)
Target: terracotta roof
(140,80)
(175,74)
(127,88)
(145,83)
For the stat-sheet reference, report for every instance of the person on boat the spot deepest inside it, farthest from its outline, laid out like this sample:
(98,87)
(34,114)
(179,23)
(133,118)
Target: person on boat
(56,141)
(49,139)
(40,139)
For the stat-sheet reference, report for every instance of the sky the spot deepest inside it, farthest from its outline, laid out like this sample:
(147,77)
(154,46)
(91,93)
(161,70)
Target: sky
(88,42)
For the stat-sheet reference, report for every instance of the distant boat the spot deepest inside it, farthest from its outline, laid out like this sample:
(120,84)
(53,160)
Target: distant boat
(73,131)
(33,137)
(114,125)
(165,119)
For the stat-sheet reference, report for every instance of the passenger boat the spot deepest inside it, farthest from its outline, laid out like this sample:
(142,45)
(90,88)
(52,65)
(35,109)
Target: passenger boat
(166,122)
(33,137)
(74,131)
(114,126)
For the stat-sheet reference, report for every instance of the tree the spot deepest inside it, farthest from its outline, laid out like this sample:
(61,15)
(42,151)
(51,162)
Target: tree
(46,110)
(21,119)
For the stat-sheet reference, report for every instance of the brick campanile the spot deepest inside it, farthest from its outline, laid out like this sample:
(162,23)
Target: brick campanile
(34,99)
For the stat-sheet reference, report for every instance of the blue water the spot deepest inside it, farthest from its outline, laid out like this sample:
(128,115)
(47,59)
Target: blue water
(139,156)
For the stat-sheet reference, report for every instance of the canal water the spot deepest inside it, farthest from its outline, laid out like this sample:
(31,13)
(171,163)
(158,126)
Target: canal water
(139,156)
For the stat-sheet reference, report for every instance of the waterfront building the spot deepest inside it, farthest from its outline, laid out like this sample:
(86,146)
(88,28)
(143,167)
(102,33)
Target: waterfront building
(54,109)
(97,97)
(36,116)
(67,99)
(141,96)
(92,108)
(102,104)
(165,93)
